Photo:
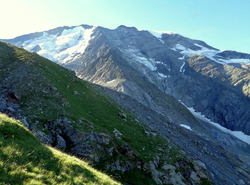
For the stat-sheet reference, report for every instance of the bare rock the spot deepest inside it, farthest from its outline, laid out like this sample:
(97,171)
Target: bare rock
(194,178)
(105,138)
(53,88)
(117,133)
(14,97)
(60,142)
(25,122)
(172,177)
(122,115)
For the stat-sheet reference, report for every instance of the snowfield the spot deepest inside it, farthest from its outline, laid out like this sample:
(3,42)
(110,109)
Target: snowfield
(61,48)
(135,55)
(186,126)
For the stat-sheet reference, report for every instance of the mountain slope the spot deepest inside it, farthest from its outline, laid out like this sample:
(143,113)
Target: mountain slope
(145,65)
(73,115)
(24,160)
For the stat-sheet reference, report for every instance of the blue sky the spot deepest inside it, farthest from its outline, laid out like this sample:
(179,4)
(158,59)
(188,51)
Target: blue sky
(224,24)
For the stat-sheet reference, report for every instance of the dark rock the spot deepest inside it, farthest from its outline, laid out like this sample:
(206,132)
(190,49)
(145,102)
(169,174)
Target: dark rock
(25,122)
(122,115)
(109,151)
(84,149)
(60,142)
(11,109)
(14,97)
(75,79)
(52,87)
(105,138)
(36,49)
(116,166)
(129,166)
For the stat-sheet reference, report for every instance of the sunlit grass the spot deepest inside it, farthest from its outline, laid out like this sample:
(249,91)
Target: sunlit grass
(24,160)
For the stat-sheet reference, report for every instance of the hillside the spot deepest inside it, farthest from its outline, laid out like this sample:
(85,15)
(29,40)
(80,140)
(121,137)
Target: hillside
(75,116)
(24,160)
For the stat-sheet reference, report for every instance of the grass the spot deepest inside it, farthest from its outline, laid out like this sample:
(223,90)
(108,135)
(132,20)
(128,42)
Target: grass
(24,160)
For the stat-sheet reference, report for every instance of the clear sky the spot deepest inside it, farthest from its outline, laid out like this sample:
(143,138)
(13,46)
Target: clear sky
(224,24)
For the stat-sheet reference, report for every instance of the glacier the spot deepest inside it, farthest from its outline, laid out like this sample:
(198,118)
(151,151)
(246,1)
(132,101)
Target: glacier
(61,48)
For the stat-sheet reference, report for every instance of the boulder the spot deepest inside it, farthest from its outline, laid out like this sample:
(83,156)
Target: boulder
(171,176)
(194,178)
(13,97)
(60,142)
(122,115)
(25,122)
(116,166)
(10,109)
(105,138)
(53,88)
(117,133)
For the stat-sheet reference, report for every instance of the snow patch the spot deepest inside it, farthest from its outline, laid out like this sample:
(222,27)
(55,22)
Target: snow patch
(158,34)
(111,81)
(137,56)
(159,62)
(240,135)
(180,47)
(240,60)
(181,68)
(203,51)
(181,58)
(162,75)
(209,53)
(186,126)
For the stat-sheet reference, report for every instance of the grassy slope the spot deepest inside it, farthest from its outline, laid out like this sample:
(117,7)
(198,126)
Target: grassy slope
(89,104)
(24,160)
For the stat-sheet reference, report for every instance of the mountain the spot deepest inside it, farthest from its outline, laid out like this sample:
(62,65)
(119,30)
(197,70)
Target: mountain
(24,160)
(159,76)
(146,65)
(75,116)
